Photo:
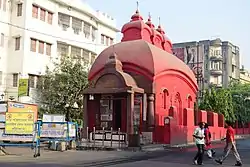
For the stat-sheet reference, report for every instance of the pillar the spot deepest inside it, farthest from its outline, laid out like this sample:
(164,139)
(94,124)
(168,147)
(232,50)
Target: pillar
(151,110)
(130,113)
(85,115)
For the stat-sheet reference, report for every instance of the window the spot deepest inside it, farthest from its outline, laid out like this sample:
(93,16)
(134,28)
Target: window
(85,54)
(107,41)
(17,43)
(102,39)
(86,30)
(50,17)
(165,94)
(33,45)
(75,52)
(1,77)
(62,49)
(93,56)
(42,14)
(4,5)
(2,39)
(32,81)
(34,11)
(76,25)
(94,34)
(64,21)
(85,57)
(41,47)
(111,41)
(48,49)
(19,9)
(15,80)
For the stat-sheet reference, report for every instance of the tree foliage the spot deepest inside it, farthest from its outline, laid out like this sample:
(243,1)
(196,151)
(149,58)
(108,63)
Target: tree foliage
(60,89)
(219,101)
(233,102)
(241,102)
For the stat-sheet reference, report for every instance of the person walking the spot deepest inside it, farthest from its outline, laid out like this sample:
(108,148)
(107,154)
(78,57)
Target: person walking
(200,142)
(208,144)
(230,146)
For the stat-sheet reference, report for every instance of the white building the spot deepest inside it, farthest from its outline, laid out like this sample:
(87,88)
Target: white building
(35,33)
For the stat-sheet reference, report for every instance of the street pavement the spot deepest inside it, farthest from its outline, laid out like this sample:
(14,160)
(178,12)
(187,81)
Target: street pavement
(179,157)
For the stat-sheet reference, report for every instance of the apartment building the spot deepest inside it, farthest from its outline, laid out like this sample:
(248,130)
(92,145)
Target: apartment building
(244,76)
(217,62)
(36,33)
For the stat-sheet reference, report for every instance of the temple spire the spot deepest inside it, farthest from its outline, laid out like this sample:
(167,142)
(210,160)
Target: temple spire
(137,15)
(149,22)
(137,6)
(159,29)
(159,20)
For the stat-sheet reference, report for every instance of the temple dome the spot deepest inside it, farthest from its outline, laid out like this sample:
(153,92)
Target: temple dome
(145,56)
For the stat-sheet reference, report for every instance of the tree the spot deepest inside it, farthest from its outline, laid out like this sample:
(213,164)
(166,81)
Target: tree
(60,89)
(219,101)
(241,103)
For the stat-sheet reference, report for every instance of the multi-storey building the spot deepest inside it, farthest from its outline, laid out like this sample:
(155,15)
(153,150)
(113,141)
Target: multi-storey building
(35,33)
(214,62)
(244,76)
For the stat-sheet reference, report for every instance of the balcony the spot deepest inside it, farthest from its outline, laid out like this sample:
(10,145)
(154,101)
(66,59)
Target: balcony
(216,57)
(216,72)
(234,62)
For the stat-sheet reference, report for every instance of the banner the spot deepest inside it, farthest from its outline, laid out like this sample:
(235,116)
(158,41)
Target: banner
(16,138)
(19,123)
(54,130)
(23,87)
(20,107)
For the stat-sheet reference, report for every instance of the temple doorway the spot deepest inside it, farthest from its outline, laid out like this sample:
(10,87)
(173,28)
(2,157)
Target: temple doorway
(117,112)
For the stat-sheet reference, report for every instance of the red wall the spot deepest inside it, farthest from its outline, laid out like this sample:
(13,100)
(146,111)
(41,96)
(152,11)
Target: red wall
(173,133)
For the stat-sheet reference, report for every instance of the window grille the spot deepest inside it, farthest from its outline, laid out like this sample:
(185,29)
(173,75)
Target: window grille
(76,25)
(64,21)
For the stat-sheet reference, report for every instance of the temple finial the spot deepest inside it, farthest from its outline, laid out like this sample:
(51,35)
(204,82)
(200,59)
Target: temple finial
(159,18)
(149,15)
(137,5)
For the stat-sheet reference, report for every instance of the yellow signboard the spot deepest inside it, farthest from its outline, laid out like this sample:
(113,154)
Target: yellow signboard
(23,87)
(21,107)
(19,123)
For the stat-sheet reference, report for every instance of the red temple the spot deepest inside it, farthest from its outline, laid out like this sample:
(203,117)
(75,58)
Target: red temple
(141,88)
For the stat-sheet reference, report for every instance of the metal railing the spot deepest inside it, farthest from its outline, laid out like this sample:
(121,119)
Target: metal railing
(103,138)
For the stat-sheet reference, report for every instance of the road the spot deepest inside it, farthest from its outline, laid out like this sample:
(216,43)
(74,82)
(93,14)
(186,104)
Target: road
(184,158)
(175,157)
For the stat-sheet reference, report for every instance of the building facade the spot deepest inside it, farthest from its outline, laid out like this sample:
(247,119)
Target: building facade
(214,62)
(36,33)
(244,76)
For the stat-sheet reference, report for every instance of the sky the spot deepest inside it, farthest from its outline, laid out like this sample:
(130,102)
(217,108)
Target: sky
(189,20)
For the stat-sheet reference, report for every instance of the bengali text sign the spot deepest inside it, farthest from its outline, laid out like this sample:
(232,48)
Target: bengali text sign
(53,130)
(19,123)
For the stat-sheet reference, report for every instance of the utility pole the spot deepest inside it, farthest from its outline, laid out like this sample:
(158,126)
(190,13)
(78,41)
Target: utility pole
(196,67)
(198,82)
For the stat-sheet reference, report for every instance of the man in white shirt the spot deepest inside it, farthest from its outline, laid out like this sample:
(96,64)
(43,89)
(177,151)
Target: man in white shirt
(199,136)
